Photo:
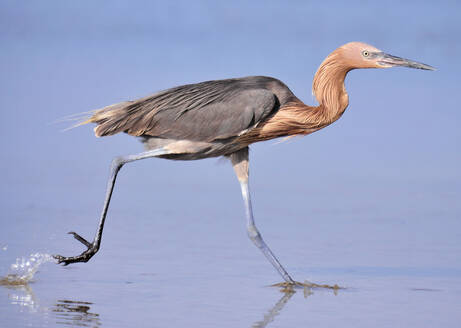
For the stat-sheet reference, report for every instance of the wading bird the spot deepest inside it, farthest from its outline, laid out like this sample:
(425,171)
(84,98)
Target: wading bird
(223,117)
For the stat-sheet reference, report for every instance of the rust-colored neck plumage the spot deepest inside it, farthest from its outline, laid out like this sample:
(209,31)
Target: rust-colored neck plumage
(328,87)
(296,118)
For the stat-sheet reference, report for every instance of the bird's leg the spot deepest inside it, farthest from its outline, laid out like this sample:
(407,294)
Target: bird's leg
(240,163)
(93,247)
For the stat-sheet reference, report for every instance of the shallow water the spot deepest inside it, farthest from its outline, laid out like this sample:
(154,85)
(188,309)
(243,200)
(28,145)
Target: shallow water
(182,273)
(370,204)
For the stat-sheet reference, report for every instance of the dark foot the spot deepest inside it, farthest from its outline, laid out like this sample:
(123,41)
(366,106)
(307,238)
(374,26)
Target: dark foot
(290,286)
(84,257)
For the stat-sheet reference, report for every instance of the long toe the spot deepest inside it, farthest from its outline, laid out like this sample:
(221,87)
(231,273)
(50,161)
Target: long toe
(306,284)
(80,239)
(65,260)
(92,248)
(59,258)
(84,257)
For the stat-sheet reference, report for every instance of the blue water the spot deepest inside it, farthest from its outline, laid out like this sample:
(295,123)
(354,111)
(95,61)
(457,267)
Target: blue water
(370,203)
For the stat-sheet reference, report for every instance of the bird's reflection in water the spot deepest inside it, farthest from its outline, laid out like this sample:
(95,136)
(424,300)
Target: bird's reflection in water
(66,312)
(79,314)
(288,292)
(75,313)
(274,311)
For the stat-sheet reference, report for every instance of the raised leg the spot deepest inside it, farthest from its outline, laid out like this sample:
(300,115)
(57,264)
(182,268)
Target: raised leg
(93,247)
(240,163)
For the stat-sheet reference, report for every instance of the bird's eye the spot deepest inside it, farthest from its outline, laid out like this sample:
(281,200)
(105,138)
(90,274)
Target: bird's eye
(365,53)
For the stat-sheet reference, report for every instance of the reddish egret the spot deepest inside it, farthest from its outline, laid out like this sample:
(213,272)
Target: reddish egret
(223,117)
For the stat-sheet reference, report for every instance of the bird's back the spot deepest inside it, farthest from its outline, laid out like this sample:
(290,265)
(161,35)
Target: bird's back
(205,111)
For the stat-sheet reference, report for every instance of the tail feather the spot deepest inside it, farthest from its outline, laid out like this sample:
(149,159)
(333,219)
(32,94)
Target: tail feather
(108,113)
(94,116)
(79,118)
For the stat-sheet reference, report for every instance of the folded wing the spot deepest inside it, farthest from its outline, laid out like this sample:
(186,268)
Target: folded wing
(204,111)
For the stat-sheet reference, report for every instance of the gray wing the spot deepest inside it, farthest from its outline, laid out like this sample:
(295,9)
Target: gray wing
(205,111)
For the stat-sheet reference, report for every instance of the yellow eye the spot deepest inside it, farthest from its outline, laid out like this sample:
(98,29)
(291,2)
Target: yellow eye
(365,53)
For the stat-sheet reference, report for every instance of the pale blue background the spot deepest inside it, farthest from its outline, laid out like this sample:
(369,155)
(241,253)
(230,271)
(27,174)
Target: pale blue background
(371,202)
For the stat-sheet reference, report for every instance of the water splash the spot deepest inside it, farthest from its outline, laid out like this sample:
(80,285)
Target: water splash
(23,271)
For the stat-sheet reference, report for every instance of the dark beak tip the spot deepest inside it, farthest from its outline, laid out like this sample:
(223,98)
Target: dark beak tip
(424,67)
(420,66)
(399,61)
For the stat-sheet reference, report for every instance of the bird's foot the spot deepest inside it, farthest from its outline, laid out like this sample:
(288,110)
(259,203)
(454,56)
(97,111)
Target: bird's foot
(92,248)
(290,286)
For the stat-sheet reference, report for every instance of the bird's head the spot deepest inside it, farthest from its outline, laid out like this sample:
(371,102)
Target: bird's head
(362,55)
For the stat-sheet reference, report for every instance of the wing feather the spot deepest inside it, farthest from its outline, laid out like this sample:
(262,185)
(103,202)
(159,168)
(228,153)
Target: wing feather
(204,111)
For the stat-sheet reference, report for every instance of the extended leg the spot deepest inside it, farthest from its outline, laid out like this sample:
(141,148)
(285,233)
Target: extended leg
(240,163)
(93,247)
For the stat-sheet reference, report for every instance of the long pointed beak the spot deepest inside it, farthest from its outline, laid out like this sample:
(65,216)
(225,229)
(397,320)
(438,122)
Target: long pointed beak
(387,60)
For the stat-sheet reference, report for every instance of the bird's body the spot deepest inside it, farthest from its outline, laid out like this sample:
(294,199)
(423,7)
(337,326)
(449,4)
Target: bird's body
(209,121)
(217,118)
(223,117)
